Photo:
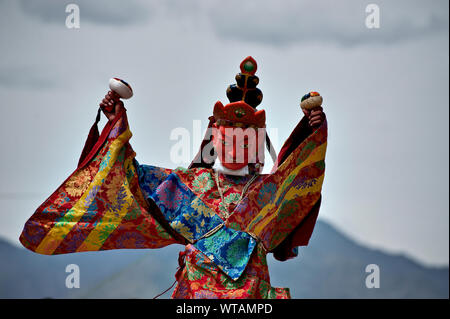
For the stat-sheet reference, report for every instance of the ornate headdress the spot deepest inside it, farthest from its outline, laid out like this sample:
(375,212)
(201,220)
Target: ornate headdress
(244,97)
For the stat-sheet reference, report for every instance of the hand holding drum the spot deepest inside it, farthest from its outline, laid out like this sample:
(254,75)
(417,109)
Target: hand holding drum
(119,90)
(311,105)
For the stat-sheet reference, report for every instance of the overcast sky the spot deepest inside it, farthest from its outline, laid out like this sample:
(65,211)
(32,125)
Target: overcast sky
(385,94)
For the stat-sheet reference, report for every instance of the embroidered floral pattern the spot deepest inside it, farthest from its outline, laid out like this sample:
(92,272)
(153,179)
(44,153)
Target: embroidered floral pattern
(78,183)
(203,183)
(266,194)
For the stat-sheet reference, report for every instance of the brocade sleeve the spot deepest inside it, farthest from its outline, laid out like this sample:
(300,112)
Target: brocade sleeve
(101,205)
(286,201)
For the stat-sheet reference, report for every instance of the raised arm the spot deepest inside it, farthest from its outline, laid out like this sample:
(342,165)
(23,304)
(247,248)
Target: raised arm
(312,120)
(289,198)
(101,205)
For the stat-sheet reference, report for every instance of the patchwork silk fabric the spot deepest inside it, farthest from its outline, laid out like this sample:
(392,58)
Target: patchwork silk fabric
(283,199)
(100,206)
(276,203)
(200,278)
(196,222)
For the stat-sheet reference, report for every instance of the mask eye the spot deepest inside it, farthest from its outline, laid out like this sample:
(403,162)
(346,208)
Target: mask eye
(244,146)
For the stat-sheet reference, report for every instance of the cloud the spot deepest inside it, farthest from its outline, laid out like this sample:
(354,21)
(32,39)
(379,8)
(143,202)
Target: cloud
(274,23)
(102,12)
(327,21)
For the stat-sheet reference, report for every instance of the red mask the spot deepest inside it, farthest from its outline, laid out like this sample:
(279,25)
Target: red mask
(236,147)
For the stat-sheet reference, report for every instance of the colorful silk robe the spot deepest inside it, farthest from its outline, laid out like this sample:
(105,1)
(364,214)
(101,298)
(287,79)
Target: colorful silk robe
(113,202)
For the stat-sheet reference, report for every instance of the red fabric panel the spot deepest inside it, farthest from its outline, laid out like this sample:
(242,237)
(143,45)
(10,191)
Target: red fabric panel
(94,141)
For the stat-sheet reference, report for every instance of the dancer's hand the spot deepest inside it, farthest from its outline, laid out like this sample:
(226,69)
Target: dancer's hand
(111,105)
(315,116)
